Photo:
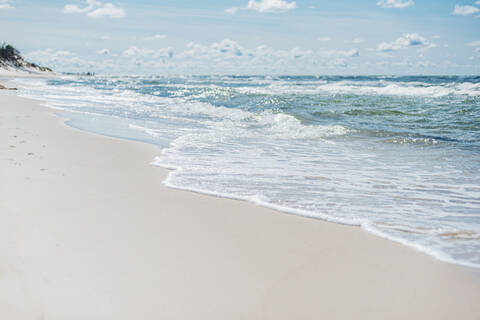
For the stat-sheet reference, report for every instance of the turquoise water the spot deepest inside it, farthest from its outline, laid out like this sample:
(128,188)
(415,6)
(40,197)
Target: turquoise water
(399,156)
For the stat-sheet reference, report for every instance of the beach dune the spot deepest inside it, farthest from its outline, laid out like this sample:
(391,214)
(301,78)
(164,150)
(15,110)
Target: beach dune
(88,231)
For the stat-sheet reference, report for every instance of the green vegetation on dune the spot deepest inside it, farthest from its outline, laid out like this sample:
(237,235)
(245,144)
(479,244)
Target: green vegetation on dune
(11,57)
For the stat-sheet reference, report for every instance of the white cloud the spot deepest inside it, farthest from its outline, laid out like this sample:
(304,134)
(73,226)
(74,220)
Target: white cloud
(96,9)
(405,41)
(396,4)
(224,56)
(226,47)
(59,60)
(297,53)
(465,10)
(265,53)
(341,53)
(51,54)
(436,36)
(163,53)
(357,40)
(324,39)
(104,52)
(5,4)
(421,51)
(271,5)
(72,8)
(156,37)
(135,52)
(108,10)
(230,51)
(475,43)
(232,10)
(229,56)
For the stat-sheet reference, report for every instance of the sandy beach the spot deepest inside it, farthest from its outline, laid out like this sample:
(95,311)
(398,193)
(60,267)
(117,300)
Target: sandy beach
(88,231)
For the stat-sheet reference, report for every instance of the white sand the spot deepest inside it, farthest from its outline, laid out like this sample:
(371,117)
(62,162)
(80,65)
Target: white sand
(88,231)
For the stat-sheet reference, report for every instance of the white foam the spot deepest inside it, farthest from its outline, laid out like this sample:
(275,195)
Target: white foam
(370,227)
(257,198)
(149,131)
(364,224)
(407,89)
(287,126)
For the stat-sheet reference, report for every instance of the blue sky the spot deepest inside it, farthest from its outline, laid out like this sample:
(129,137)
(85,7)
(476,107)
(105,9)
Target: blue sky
(247,36)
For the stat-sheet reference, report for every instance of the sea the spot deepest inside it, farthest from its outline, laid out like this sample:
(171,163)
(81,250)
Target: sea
(398,156)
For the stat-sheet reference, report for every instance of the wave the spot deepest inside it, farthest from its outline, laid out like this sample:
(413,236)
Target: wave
(369,88)
(420,90)
(365,224)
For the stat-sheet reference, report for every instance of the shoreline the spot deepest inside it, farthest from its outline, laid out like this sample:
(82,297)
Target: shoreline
(177,253)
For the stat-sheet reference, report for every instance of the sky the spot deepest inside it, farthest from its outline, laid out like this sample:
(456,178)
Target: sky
(302,37)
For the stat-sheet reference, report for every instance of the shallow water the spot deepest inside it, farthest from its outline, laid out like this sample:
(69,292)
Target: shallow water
(399,156)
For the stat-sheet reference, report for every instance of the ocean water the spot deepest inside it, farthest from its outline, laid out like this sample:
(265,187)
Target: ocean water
(398,156)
